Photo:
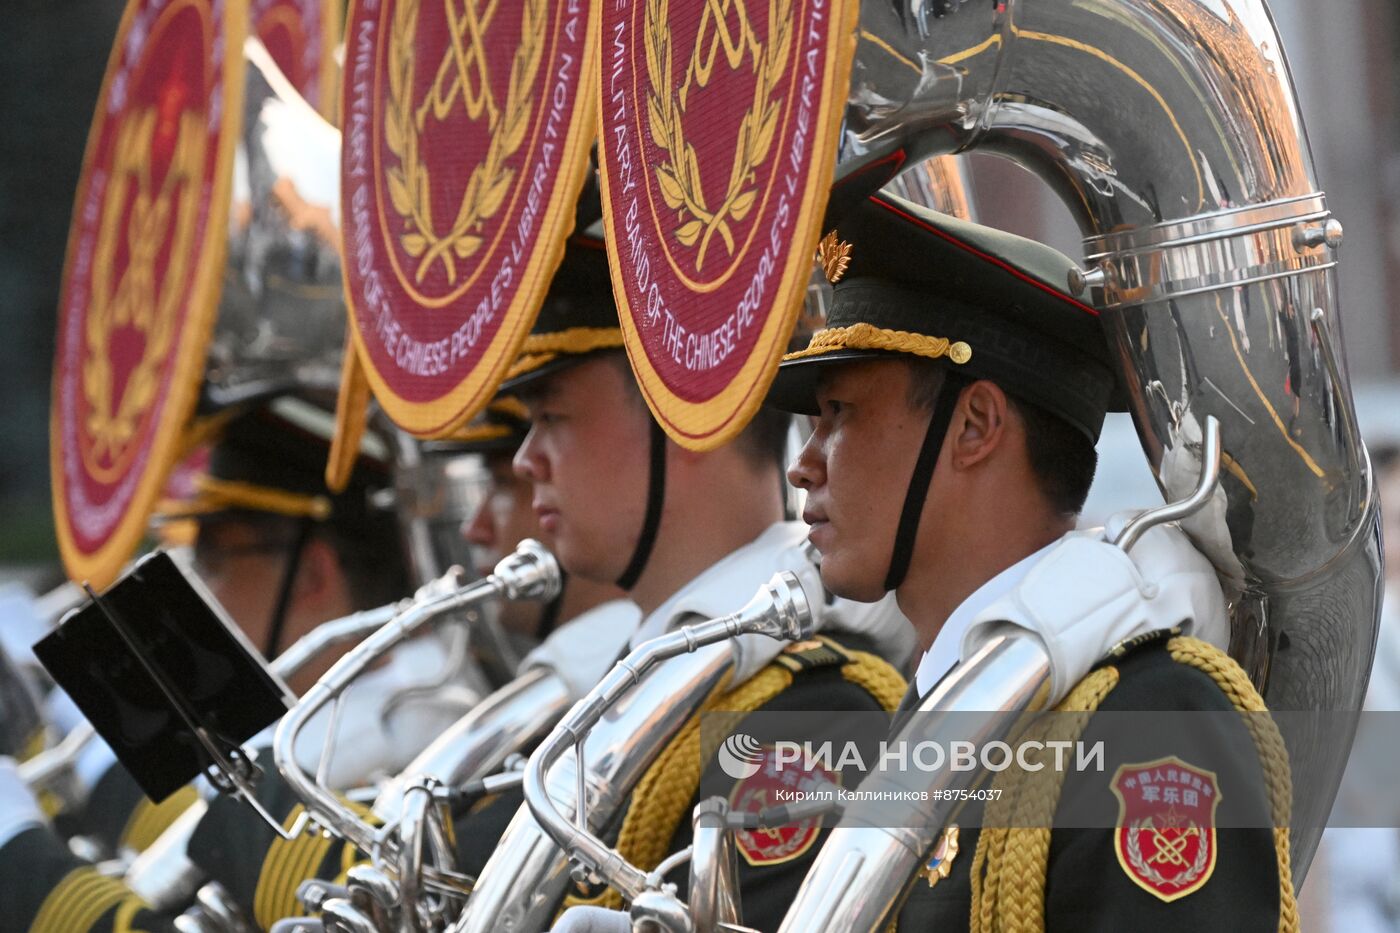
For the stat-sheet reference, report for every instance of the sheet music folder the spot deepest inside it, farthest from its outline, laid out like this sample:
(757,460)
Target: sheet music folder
(165,679)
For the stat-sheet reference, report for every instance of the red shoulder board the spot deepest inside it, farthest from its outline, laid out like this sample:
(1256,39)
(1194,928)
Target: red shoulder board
(1165,837)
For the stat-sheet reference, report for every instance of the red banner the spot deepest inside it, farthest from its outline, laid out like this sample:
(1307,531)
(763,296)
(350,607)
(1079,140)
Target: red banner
(142,275)
(467,130)
(719,123)
(301,37)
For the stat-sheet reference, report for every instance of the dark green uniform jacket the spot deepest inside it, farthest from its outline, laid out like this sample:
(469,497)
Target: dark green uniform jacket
(1088,887)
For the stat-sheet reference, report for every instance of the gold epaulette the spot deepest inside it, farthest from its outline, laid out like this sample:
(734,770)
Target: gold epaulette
(813,653)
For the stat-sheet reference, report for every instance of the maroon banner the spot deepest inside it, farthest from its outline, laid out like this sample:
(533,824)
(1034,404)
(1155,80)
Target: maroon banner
(301,36)
(467,130)
(142,275)
(719,123)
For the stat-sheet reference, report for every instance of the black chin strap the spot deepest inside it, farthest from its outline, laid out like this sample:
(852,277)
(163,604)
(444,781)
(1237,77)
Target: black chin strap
(919,482)
(284,589)
(656,498)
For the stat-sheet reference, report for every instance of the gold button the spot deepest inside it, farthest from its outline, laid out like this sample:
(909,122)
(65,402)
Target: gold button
(960,353)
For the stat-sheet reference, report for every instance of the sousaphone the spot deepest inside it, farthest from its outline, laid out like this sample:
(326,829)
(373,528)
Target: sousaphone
(738,133)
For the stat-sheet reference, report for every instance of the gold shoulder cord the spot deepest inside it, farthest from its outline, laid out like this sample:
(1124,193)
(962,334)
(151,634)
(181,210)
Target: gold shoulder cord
(1010,865)
(664,792)
(148,821)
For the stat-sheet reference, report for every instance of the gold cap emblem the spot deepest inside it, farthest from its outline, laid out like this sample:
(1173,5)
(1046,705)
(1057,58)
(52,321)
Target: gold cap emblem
(959,352)
(835,257)
(940,864)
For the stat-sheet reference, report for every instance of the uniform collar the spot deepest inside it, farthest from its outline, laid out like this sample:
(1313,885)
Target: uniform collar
(728,583)
(947,644)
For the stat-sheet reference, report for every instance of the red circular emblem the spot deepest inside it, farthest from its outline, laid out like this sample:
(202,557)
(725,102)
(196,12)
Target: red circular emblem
(142,275)
(773,784)
(299,35)
(1165,836)
(467,129)
(719,122)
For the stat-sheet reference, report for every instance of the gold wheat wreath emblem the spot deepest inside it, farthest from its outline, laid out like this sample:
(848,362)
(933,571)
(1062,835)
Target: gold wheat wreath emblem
(461,79)
(725,28)
(143,299)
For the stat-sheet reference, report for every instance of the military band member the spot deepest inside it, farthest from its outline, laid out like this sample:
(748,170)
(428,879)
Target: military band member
(583,628)
(689,535)
(282,554)
(957,393)
(686,535)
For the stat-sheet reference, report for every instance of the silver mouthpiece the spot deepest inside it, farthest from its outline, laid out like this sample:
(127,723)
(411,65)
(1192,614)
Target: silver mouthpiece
(779,610)
(529,573)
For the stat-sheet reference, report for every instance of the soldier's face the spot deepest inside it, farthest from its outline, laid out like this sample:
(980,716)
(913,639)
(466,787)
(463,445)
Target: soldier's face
(855,468)
(587,455)
(505,518)
(242,563)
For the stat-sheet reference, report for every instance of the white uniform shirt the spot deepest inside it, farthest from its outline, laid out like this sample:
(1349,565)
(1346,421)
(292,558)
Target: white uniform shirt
(734,579)
(947,644)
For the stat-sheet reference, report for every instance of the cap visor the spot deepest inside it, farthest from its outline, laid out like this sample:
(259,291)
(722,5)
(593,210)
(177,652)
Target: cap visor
(794,389)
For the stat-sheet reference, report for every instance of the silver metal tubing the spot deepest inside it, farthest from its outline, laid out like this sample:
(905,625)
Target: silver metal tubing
(220,906)
(330,634)
(661,912)
(714,871)
(509,720)
(1332,360)
(530,573)
(669,864)
(163,875)
(343,917)
(521,885)
(861,873)
(53,764)
(281,320)
(779,611)
(417,810)
(1210,478)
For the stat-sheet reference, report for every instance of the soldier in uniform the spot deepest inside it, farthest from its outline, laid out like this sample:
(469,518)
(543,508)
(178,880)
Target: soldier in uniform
(956,393)
(581,630)
(283,554)
(689,536)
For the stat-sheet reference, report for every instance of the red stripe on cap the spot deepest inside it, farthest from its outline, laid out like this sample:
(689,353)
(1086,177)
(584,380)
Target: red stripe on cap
(943,234)
(586,242)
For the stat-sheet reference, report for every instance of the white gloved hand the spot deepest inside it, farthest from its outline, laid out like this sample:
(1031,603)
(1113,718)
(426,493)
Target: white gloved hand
(1085,596)
(593,920)
(18,808)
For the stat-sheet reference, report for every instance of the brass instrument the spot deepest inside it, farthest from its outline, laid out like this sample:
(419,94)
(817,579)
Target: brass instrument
(1180,150)
(615,733)
(529,573)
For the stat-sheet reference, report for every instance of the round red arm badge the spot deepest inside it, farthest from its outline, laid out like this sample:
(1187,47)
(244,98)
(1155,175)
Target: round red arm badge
(1165,836)
(774,783)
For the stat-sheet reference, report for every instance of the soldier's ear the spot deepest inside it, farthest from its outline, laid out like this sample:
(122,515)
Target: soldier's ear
(979,425)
